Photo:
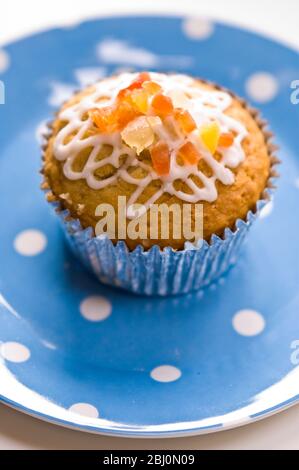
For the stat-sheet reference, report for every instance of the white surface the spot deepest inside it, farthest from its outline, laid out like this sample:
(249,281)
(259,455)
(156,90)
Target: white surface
(277,19)
(18,431)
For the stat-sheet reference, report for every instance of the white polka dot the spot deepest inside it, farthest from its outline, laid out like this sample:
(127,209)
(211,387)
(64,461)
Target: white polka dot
(84,409)
(4,61)
(266,210)
(60,92)
(166,373)
(248,322)
(95,308)
(198,28)
(86,76)
(262,87)
(30,242)
(297,183)
(14,352)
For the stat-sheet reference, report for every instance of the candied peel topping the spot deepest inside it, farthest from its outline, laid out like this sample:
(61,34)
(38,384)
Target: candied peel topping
(160,156)
(141,108)
(189,154)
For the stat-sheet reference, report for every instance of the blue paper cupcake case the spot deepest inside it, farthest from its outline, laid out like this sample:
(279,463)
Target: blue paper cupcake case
(164,272)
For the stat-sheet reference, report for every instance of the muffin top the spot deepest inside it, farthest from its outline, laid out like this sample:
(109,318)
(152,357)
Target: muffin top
(157,138)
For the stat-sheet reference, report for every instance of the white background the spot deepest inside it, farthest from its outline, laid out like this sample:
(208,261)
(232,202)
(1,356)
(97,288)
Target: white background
(277,19)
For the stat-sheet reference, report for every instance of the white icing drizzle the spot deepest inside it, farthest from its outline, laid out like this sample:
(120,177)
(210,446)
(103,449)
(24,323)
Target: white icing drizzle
(203,105)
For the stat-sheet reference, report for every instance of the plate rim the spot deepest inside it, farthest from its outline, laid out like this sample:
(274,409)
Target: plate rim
(127,433)
(156,14)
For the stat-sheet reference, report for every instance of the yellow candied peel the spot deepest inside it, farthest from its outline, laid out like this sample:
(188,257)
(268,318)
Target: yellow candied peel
(209,135)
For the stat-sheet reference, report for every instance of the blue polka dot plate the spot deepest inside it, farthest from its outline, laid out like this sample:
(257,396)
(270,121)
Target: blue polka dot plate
(98,359)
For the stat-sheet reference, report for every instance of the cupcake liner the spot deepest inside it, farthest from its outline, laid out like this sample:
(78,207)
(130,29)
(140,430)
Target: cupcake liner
(156,271)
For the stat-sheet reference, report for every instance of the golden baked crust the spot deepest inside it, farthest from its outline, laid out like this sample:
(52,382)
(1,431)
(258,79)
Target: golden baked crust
(233,201)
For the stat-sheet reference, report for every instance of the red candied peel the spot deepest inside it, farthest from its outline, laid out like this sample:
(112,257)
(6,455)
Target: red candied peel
(160,156)
(144,97)
(189,153)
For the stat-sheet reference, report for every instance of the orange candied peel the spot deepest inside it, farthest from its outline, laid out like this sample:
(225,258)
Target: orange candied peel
(162,105)
(103,118)
(189,153)
(160,156)
(185,120)
(210,134)
(111,119)
(138,82)
(125,93)
(124,113)
(138,93)
(151,87)
(226,139)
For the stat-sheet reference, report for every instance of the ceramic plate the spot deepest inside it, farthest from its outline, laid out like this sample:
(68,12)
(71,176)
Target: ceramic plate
(80,354)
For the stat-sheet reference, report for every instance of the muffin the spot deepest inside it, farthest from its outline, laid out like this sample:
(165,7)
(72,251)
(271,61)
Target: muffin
(162,140)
